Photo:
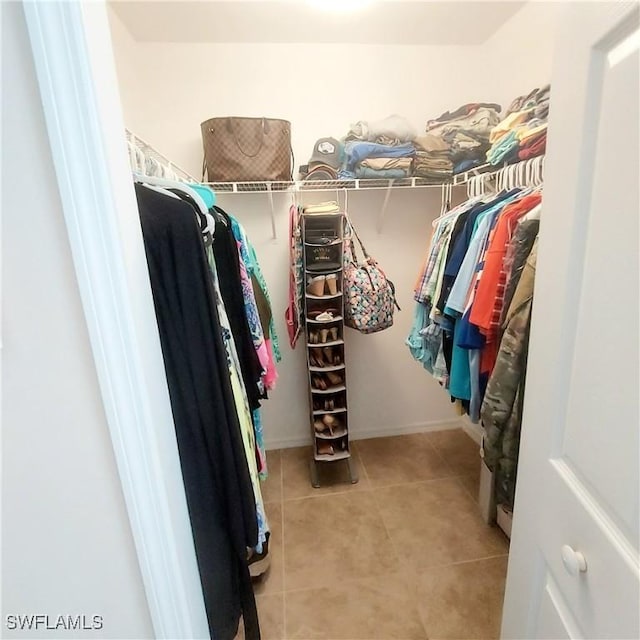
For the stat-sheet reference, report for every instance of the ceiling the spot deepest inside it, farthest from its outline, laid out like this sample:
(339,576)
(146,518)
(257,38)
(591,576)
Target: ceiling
(415,22)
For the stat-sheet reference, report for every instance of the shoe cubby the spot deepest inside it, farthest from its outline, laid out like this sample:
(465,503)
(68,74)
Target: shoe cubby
(333,401)
(322,236)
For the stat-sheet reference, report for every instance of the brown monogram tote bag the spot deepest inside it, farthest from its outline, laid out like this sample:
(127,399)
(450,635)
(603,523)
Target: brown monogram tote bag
(247,150)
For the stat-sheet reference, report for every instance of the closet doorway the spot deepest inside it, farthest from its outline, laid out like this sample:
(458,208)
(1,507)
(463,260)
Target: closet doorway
(575,531)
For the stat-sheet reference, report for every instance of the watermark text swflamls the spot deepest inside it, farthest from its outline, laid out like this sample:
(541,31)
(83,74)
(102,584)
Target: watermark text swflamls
(37,621)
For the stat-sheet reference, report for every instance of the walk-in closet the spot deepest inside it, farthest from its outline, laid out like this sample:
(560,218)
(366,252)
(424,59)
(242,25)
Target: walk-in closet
(357,285)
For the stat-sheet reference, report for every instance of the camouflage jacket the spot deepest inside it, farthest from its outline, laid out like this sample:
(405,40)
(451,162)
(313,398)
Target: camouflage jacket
(502,406)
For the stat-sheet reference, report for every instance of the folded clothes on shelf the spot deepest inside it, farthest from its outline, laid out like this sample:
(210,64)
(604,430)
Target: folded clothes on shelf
(365,173)
(322,207)
(387,163)
(393,129)
(355,152)
(521,134)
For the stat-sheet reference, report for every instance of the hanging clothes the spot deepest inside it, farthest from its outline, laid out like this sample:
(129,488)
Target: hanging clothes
(226,254)
(245,416)
(293,314)
(470,329)
(502,405)
(215,471)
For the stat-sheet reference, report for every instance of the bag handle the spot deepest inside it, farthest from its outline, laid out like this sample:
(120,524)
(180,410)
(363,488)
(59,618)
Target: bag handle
(235,138)
(355,233)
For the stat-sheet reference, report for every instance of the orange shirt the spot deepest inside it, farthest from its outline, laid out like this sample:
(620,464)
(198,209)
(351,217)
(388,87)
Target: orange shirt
(485,295)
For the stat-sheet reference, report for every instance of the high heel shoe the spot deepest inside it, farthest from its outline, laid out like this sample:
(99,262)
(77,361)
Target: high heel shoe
(315,285)
(331,284)
(319,426)
(330,423)
(334,378)
(313,337)
(319,383)
(331,356)
(333,334)
(324,333)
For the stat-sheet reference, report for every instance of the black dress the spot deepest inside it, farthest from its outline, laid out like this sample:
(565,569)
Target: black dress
(214,467)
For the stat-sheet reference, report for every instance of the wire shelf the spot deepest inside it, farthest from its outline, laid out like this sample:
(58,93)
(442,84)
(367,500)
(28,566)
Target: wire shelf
(355,184)
(164,167)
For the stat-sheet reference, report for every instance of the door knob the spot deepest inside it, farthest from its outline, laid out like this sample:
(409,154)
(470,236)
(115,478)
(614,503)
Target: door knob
(574,562)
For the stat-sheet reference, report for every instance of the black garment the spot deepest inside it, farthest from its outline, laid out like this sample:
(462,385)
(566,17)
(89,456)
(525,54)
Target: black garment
(214,466)
(225,250)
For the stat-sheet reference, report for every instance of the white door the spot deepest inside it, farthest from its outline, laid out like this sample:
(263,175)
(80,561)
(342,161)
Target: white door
(573,567)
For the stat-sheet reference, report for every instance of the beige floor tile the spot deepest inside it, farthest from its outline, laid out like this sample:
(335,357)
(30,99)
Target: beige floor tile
(272,486)
(270,616)
(463,600)
(334,476)
(374,608)
(460,451)
(272,581)
(435,523)
(333,538)
(398,459)
(472,484)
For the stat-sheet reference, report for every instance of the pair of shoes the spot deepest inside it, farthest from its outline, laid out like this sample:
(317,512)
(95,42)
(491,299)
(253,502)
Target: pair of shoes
(318,382)
(331,356)
(329,404)
(321,285)
(327,380)
(324,448)
(323,335)
(327,422)
(325,357)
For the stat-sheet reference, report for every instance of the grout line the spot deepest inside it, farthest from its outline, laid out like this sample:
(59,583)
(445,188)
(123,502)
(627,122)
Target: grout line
(361,462)
(372,488)
(460,562)
(284,551)
(459,479)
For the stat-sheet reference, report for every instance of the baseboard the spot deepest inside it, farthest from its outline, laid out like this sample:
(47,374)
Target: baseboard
(361,434)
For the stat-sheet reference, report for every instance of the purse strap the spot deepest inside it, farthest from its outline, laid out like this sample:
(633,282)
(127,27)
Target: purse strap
(355,233)
(235,138)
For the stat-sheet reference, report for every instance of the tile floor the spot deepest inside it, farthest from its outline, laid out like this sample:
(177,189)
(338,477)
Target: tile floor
(402,554)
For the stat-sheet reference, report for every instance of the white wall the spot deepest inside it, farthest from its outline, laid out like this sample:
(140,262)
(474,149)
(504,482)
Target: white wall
(520,52)
(67,547)
(321,89)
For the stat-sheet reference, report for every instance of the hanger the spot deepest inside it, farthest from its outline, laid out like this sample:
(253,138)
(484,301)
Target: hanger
(205,220)
(173,184)
(207,193)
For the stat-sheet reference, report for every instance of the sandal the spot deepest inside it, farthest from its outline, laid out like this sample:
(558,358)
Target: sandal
(325,449)
(319,426)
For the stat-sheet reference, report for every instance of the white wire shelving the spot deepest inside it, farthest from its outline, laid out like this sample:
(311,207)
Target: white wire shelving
(351,184)
(476,180)
(146,159)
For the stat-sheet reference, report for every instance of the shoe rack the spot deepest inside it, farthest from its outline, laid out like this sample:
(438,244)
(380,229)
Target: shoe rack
(322,235)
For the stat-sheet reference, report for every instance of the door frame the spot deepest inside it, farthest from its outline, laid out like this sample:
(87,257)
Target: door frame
(74,62)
